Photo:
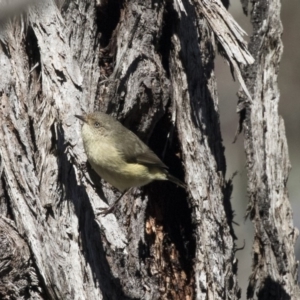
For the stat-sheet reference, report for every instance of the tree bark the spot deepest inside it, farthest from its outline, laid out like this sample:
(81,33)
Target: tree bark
(149,64)
(274,268)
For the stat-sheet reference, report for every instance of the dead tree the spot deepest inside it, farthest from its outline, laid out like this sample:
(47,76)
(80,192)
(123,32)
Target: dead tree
(274,269)
(149,64)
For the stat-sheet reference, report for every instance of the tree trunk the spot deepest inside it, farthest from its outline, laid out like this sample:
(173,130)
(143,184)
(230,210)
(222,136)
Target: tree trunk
(274,268)
(149,64)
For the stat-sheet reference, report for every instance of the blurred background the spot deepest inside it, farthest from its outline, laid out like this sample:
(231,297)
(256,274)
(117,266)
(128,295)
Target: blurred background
(289,109)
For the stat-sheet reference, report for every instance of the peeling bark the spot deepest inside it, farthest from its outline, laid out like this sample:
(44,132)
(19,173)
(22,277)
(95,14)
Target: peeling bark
(274,269)
(150,64)
(18,277)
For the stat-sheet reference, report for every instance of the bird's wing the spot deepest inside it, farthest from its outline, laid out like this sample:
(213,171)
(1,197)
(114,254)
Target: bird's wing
(151,159)
(136,151)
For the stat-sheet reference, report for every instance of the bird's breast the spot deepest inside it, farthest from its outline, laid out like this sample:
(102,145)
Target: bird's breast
(110,164)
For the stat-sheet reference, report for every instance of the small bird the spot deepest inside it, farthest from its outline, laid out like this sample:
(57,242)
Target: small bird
(119,156)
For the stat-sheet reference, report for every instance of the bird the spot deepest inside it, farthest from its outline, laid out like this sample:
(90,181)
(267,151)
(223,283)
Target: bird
(119,156)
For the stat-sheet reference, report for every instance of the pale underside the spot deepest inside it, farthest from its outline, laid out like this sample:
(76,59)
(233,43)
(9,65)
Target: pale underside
(108,163)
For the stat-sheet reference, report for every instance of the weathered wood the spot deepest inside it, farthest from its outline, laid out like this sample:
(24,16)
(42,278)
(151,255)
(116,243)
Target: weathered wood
(150,64)
(229,34)
(195,109)
(18,277)
(274,269)
(39,94)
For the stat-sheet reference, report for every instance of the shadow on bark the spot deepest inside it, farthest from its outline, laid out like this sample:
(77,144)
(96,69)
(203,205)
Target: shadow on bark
(205,116)
(89,230)
(270,290)
(172,242)
(108,16)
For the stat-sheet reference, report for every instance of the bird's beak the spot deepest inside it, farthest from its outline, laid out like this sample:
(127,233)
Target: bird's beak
(82,118)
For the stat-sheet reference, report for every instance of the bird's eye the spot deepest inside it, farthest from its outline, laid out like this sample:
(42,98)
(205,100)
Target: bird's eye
(97,124)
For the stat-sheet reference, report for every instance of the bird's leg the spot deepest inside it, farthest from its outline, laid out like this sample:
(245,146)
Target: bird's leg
(111,208)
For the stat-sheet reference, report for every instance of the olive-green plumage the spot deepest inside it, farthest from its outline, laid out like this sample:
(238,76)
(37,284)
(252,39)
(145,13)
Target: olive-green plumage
(118,155)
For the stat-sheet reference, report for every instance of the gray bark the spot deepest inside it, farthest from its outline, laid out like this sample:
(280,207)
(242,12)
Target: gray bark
(18,276)
(150,64)
(274,268)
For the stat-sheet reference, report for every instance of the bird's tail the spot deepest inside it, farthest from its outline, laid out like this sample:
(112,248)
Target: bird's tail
(175,180)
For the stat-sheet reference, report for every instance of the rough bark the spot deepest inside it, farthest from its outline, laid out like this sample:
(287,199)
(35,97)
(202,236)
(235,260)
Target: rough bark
(150,64)
(18,277)
(274,269)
